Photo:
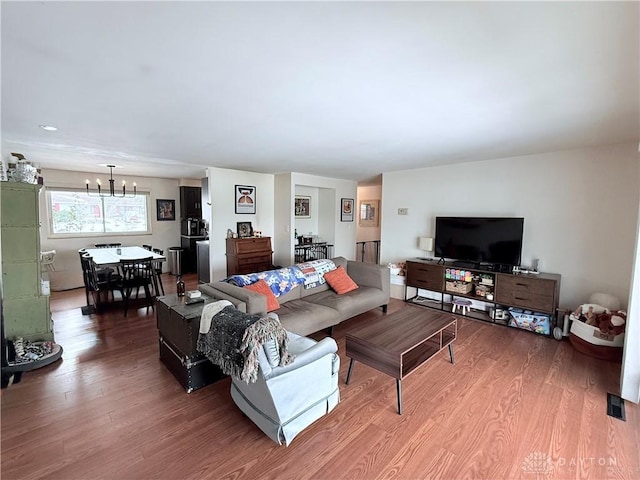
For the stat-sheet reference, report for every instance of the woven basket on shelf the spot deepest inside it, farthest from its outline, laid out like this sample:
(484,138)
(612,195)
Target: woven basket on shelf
(458,287)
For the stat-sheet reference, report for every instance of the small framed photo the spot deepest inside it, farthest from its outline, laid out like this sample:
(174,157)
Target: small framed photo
(165,210)
(302,206)
(370,213)
(245,199)
(244,229)
(346,210)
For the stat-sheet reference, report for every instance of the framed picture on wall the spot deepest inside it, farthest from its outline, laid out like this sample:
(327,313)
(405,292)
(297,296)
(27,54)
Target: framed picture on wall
(165,210)
(302,206)
(346,210)
(245,229)
(245,199)
(370,213)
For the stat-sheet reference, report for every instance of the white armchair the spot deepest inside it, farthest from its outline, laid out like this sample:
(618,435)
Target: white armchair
(285,400)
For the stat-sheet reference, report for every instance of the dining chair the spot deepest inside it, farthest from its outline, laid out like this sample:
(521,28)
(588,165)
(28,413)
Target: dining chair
(112,245)
(102,273)
(101,245)
(157,270)
(135,274)
(147,247)
(97,282)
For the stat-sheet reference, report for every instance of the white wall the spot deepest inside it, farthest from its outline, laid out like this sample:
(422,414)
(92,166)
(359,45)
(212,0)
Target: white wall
(630,375)
(222,184)
(164,234)
(580,209)
(306,226)
(283,219)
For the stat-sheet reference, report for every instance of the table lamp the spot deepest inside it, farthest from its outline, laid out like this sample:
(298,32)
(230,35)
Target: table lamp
(426,244)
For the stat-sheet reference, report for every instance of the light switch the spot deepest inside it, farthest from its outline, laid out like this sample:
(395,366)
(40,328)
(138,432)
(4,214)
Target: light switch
(403,211)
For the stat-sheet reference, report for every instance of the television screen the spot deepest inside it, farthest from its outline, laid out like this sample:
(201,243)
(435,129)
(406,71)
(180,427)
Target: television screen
(480,239)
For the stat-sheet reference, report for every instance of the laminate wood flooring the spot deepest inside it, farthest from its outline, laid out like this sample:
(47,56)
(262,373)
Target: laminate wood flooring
(514,406)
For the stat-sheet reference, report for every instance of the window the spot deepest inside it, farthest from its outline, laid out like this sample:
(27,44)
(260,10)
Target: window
(73,212)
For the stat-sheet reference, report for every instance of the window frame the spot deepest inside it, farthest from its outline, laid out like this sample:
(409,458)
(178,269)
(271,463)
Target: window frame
(53,235)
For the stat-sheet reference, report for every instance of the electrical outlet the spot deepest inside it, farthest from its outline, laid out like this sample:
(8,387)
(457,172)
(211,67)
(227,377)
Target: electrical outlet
(403,211)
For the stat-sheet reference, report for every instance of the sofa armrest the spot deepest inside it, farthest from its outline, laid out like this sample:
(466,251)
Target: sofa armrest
(326,346)
(254,303)
(210,290)
(370,275)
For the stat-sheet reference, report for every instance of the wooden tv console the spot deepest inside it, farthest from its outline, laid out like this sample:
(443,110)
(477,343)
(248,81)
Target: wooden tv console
(534,292)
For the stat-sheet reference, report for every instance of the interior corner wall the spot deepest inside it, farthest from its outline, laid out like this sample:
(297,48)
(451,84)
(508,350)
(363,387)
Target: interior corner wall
(630,374)
(368,251)
(222,184)
(367,192)
(164,234)
(308,226)
(344,238)
(580,209)
(283,218)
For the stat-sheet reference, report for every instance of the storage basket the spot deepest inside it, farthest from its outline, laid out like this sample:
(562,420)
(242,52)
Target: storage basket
(458,287)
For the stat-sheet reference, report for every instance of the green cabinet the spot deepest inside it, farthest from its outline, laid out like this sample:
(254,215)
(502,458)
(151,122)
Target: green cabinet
(26,310)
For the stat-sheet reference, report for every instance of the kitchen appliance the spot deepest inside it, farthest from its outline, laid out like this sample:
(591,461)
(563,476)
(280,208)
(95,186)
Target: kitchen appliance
(192,227)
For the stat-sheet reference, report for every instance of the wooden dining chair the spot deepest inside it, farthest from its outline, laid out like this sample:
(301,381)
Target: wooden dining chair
(135,274)
(157,270)
(99,282)
(103,274)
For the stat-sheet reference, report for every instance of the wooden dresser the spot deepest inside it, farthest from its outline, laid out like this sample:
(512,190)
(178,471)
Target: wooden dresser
(248,255)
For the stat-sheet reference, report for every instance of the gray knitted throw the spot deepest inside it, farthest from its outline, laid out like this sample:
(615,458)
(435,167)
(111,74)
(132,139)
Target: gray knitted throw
(234,339)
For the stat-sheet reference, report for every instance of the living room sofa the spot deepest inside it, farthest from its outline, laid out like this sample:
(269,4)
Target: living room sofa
(305,311)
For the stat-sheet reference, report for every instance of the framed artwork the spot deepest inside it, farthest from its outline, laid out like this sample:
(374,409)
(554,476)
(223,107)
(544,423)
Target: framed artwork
(245,199)
(165,210)
(302,206)
(369,213)
(244,229)
(346,210)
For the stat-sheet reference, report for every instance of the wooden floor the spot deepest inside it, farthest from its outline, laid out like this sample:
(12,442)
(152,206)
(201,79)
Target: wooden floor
(514,405)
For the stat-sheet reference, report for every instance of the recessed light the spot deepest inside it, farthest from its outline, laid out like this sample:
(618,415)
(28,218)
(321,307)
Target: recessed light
(48,128)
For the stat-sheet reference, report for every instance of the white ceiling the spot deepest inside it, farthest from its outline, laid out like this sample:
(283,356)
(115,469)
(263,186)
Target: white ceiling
(343,90)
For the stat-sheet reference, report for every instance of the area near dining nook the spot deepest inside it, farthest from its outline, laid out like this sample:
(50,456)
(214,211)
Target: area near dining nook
(111,268)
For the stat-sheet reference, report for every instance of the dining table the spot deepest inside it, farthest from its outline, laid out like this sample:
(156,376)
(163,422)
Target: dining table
(111,256)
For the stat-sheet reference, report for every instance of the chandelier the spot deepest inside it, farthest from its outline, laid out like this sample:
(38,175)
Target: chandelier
(112,189)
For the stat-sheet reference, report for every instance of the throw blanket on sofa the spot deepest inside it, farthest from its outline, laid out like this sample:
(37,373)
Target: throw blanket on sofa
(234,339)
(314,271)
(280,281)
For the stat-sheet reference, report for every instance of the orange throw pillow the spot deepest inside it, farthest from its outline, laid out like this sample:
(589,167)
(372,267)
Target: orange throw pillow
(340,281)
(261,287)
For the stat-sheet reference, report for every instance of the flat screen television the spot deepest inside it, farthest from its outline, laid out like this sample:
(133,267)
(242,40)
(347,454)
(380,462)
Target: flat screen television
(491,240)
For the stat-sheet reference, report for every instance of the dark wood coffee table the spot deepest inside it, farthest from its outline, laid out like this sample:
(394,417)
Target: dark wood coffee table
(398,343)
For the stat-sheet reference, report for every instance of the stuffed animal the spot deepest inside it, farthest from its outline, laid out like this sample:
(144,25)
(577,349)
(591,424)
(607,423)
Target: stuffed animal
(588,312)
(612,323)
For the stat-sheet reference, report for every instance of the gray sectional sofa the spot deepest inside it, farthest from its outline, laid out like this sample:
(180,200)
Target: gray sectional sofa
(304,311)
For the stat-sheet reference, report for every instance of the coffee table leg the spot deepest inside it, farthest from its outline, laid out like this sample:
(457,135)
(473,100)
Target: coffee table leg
(349,372)
(451,352)
(399,386)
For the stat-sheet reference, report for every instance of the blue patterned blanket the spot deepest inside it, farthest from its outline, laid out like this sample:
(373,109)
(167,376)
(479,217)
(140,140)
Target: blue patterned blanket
(310,274)
(280,281)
